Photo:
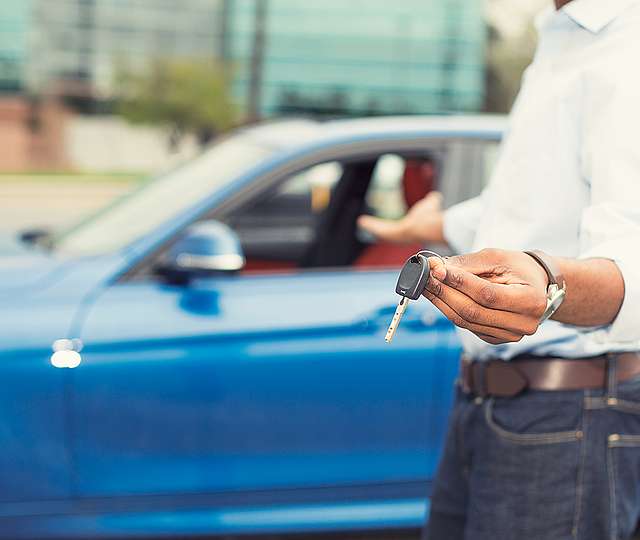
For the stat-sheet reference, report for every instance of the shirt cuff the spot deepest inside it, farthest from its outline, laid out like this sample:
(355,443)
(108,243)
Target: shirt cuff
(624,329)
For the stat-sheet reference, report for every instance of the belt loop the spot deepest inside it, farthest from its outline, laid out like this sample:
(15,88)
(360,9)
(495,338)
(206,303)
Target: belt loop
(611,379)
(466,373)
(481,383)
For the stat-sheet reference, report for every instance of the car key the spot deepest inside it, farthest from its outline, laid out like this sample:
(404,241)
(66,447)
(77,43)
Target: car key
(411,282)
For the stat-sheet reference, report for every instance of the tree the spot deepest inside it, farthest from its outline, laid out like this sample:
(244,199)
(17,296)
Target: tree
(189,96)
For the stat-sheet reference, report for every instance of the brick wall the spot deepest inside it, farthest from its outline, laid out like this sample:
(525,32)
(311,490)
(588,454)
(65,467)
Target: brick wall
(32,135)
(14,135)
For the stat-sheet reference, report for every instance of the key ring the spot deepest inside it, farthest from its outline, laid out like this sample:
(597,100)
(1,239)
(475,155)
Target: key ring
(433,253)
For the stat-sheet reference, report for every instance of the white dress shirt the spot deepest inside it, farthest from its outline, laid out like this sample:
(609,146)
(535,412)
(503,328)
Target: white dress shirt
(568,177)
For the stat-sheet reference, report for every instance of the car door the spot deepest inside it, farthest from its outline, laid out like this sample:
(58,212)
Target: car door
(259,383)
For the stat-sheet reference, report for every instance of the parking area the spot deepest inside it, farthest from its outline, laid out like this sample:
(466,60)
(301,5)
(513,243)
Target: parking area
(52,202)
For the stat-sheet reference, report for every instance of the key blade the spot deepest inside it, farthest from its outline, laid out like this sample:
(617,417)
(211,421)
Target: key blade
(397,316)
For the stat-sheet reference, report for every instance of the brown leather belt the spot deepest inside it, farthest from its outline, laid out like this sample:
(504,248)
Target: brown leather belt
(500,378)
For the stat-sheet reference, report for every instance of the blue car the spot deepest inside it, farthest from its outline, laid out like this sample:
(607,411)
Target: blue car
(206,356)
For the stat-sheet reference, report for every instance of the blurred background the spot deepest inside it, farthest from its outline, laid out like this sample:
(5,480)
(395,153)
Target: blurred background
(97,94)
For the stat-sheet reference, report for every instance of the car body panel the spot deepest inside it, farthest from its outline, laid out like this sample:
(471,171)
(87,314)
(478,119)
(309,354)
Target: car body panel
(24,271)
(258,363)
(35,462)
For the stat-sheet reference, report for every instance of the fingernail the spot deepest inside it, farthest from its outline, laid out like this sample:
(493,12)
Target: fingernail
(439,273)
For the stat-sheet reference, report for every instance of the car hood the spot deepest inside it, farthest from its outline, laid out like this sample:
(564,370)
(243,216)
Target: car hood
(25,268)
(41,293)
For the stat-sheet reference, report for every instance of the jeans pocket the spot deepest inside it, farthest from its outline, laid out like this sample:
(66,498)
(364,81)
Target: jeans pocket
(623,464)
(525,465)
(532,423)
(628,396)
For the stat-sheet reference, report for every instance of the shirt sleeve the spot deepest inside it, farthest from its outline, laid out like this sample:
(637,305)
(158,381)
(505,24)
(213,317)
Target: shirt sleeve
(461,222)
(610,225)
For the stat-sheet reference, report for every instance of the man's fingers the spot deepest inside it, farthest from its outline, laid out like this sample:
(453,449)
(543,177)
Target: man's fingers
(384,229)
(492,340)
(475,313)
(486,333)
(483,262)
(516,298)
(437,268)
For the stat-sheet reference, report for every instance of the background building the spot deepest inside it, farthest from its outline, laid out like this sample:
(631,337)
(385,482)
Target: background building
(78,45)
(14,23)
(60,59)
(358,57)
(287,56)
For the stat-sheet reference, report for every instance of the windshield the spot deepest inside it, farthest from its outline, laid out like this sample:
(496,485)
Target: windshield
(162,198)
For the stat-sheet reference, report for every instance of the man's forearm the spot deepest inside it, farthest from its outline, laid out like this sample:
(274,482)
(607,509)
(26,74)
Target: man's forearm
(595,290)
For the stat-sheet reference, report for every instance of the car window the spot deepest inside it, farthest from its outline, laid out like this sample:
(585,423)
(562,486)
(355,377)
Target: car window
(468,169)
(277,229)
(316,183)
(162,198)
(400,181)
(489,151)
(385,197)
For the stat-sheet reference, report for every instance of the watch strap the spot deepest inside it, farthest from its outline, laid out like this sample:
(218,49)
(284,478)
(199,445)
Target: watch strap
(549,266)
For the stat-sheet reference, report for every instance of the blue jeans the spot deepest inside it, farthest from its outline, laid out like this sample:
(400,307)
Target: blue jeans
(541,466)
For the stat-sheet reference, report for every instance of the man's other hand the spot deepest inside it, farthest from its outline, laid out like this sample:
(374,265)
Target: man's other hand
(498,295)
(422,223)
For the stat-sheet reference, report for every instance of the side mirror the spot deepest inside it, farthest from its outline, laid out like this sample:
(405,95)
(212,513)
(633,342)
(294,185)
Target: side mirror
(34,236)
(207,248)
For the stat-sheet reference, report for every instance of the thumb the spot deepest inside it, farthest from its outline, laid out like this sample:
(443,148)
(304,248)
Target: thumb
(437,268)
(384,229)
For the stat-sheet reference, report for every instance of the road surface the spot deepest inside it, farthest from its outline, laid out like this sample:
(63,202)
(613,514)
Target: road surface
(54,204)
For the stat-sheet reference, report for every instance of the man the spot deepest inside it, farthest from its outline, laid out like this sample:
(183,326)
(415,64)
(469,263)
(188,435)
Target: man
(544,439)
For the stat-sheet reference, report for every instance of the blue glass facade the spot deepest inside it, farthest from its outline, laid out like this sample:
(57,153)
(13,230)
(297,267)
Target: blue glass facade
(14,19)
(360,57)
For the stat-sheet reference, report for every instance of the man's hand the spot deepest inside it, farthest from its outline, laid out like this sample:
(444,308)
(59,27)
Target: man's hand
(422,223)
(498,295)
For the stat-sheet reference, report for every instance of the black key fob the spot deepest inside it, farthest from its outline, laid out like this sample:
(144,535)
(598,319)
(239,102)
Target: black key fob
(413,277)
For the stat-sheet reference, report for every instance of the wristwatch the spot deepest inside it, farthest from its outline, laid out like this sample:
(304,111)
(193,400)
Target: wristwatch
(557,288)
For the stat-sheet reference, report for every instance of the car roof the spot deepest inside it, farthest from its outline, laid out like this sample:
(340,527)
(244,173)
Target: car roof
(289,134)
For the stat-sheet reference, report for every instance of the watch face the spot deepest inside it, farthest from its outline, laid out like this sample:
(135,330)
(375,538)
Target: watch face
(555,296)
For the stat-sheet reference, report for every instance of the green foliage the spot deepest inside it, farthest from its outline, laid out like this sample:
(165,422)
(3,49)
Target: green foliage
(186,95)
